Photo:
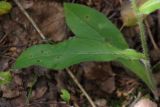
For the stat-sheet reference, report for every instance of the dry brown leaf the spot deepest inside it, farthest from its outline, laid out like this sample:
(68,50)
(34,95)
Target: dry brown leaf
(18,80)
(39,92)
(108,85)
(8,92)
(50,18)
(102,74)
(18,102)
(98,71)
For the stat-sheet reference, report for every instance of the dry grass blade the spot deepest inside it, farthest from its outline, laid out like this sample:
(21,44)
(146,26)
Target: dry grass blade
(30,19)
(81,88)
(151,36)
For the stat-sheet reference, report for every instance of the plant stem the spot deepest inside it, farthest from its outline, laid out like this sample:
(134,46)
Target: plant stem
(145,48)
(142,29)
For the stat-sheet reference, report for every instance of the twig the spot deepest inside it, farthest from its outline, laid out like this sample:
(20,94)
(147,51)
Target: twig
(121,28)
(81,88)
(30,19)
(5,56)
(151,36)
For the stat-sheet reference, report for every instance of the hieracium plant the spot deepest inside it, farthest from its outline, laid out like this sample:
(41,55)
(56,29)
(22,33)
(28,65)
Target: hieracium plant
(96,39)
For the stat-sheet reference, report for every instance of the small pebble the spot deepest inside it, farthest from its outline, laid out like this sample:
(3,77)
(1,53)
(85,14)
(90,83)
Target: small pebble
(145,103)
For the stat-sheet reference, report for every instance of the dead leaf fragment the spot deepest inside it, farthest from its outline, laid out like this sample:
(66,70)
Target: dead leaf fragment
(4,64)
(39,92)
(19,101)
(8,92)
(108,85)
(101,73)
(18,80)
(50,18)
(97,71)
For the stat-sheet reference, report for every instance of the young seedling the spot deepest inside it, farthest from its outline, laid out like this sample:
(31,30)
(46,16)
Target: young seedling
(65,95)
(96,39)
(5,77)
(5,7)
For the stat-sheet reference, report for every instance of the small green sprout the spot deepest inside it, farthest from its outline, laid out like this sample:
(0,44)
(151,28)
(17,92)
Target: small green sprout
(5,7)
(65,95)
(5,77)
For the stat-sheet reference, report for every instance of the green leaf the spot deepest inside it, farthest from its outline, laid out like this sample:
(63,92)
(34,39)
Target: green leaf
(96,39)
(91,24)
(150,6)
(71,52)
(65,95)
(88,23)
(5,7)
(5,77)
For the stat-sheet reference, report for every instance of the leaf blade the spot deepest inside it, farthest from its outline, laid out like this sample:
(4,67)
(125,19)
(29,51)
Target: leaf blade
(89,23)
(89,41)
(150,6)
(66,54)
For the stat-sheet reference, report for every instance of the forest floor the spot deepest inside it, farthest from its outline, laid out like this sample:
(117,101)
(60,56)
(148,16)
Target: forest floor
(107,83)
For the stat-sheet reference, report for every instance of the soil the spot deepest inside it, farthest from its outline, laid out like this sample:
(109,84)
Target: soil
(107,83)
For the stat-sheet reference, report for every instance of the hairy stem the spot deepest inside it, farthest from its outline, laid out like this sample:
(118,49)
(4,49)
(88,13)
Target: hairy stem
(142,29)
(145,48)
